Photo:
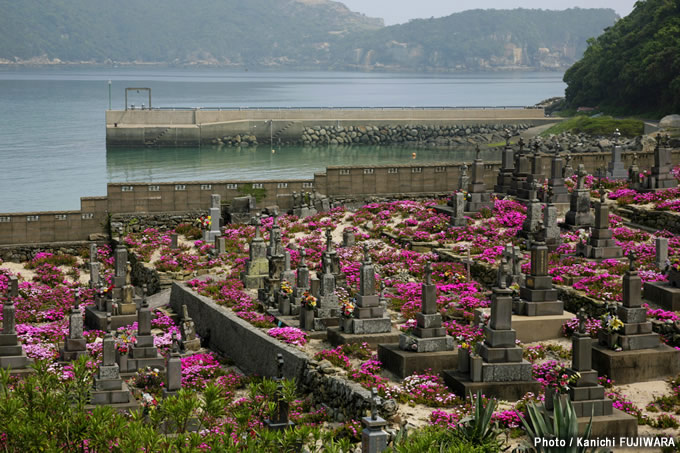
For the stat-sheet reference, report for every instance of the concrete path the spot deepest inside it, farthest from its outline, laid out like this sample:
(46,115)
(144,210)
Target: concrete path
(534,131)
(159,299)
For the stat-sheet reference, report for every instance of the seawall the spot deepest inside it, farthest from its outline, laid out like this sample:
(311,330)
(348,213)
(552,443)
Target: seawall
(196,127)
(181,198)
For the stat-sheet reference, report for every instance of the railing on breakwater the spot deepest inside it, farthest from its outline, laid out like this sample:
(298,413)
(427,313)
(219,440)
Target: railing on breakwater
(419,108)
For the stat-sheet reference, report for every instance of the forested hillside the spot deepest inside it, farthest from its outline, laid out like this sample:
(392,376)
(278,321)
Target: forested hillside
(633,68)
(290,34)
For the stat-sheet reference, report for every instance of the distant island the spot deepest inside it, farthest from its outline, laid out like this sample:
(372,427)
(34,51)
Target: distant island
(290,34)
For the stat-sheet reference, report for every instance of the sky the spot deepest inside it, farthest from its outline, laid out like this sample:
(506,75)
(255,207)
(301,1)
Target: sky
(399,11)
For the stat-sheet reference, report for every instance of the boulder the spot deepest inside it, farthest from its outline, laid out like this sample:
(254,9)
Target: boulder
(670,122)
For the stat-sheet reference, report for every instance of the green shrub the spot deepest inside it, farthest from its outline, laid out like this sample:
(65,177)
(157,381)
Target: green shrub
(602,126)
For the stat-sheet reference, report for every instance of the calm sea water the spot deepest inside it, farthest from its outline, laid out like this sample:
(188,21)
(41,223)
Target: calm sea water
(52,131)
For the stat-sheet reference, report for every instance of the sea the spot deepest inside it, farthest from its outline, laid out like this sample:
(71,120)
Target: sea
(53,138)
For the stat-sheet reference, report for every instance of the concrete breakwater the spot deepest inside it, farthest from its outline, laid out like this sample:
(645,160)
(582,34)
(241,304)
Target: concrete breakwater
(417,135)
(186,128)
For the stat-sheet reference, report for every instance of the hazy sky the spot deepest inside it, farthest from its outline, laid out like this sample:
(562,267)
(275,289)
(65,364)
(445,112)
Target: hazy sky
(398,11)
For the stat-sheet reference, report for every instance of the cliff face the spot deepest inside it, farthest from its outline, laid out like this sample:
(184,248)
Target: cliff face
(478,40)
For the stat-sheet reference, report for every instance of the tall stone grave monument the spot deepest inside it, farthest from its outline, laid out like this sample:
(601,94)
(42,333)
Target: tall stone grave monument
(173,371)
(522,169)
(661,177)
(601,244)
(74,344)
(478,197)
(496,367)
(328,309)
(504,180)
(302,283)
(12,353)
(633,353)
(94,266)
(281,420)
(556,188)
(257,266)
(587,395)
(616,169)
(428,346)
(215,219)
(121,300)
(373,437)
(457,203)
(368,322)
(579,215)
(532,224)
(537,295)
(534,178)
(142,353)
(109,388)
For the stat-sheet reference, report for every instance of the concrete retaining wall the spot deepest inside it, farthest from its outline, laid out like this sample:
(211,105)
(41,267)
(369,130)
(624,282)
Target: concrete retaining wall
(196,127)
(254,352)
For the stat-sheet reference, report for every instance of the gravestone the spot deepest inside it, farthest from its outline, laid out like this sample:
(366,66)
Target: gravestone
(373,437)
(368,322)
(513,255)
(121,300)
(187,330)
(74,344)
(280,421)
(174,241)
(534,179)
(108,387)
(173,371)
(257,265)
(661,253)
(661,177)
(616,169)
(302,283)
(284,296)
(522,169)
(639,355)
(557,191)
(463,178)
(215,219)
(142,353)
(428,344)
(634,180)
(458,218)
(220,246)
(94,267)
(601,244)
(328,309)
(496,367)
(478,198)
(532,224)
(348,238)
(579,215)
(537,295)
(551,231)
(587,396)
(504,180)
(568,170)
(240,209)
(12,353)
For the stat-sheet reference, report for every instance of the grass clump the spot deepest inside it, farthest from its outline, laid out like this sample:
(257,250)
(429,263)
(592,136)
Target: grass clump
(603,125)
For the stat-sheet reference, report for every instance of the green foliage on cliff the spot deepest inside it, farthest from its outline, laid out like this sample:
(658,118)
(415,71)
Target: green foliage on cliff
(479,39)
(295,34)
(634,67)
(601,126)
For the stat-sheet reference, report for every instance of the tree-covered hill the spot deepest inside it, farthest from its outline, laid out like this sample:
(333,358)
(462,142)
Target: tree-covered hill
(481,39)
(634,67)
(223,31)
(292,34)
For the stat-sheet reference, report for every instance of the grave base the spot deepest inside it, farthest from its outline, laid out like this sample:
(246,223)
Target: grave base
(405,363)
(618,424)
(663,295)
(539,328)
(294,321)
(321,324)
(462,386)
(95,319)
(110,397)
(337,337)
(626,367)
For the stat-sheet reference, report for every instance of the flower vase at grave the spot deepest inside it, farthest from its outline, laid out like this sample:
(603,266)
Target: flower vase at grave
(307,318)
(284,303)
(463,360)
(552,397)
(476,368)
